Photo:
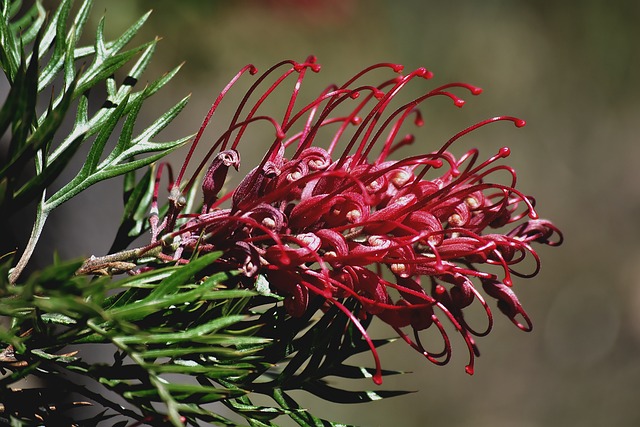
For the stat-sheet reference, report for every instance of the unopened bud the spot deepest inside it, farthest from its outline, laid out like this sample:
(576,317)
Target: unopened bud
(216,175)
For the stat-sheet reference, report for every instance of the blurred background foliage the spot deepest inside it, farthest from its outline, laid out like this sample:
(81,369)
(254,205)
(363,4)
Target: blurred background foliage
(569,68)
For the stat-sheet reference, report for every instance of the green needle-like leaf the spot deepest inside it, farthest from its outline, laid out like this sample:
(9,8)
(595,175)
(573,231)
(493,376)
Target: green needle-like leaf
(298,414)
(30,23)
(59,43)
(180,276)
(187,393)
(333,394)
(118,161)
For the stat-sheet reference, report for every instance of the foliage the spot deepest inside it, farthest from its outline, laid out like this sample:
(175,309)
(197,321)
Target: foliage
(33,135)
(180,337)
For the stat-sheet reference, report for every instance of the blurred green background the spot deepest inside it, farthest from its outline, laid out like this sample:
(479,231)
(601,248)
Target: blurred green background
(569,68)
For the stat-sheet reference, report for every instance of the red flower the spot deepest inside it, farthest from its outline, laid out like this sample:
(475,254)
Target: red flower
(328,211)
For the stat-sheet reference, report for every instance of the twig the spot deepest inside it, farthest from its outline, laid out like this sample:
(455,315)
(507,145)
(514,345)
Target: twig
(119,262)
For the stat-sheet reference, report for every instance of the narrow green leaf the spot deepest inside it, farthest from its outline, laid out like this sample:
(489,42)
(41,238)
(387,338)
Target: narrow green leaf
(182,275)
(114,170)
(205,334)
(11,9)
(102,68)
(120,165)
(30,23)
(148,279)
(299,414)
(200,415)
(81,180)
(162,80)
(25,110)
(212,372)
(312,342)
(337,395)
(98,145)
(186,393)
(49,72)
(41,137)
(202,333)
(84,126)
(125,138)
(140,309)
(138,68)
(34,187)
(49,35)
(57,318)
(100,49)
(9,47)
(129,184)
(161,122)
(137,201)
(129,33)
(68,59)
(203,349)
(89,175)
(81,17)
(10,110)
(255,412)
(357,372)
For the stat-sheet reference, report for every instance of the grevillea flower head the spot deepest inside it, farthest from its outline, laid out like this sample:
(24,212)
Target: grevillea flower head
(414,240)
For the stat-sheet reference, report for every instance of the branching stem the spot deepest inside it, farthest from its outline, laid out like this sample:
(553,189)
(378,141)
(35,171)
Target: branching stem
(118,262)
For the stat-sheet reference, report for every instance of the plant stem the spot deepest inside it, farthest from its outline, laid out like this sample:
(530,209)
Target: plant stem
(117,262)
(36,231)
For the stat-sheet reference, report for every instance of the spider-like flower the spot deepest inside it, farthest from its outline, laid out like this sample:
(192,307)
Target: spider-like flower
(328,212)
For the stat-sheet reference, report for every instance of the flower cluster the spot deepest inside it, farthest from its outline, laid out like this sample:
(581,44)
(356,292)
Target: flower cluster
(411,239)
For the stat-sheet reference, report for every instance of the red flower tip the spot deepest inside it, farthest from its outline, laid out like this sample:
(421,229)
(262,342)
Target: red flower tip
(377,378)
(378,94)
(328,210)
(298,67)
(520,123)
(424,73)
(475,90)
